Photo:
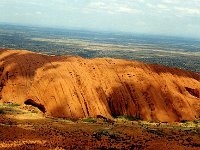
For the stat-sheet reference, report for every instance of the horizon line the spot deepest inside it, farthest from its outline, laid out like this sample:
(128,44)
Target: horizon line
(99,30)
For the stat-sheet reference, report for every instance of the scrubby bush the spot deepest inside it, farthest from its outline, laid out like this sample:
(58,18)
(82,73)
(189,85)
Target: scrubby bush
(197,121)
(2,112)
(130,118)
(92,120)
(184,121)
(156,131)
(112,135)
(12,104)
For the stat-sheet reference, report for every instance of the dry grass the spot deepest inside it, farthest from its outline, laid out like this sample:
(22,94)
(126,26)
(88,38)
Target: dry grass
(28,128)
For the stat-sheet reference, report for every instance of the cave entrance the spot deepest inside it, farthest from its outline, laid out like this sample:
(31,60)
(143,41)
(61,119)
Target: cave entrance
(33,103)
(193,92)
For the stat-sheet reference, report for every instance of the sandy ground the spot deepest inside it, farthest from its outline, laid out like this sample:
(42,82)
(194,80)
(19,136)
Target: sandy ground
(23,127)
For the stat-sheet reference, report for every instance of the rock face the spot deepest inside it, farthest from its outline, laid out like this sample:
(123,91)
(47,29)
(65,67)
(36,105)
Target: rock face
(74,87)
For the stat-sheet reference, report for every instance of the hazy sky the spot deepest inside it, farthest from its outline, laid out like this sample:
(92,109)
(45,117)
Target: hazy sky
(170,17)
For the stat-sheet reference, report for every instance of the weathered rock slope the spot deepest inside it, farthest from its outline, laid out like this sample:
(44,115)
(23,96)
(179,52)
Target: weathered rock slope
(74,87)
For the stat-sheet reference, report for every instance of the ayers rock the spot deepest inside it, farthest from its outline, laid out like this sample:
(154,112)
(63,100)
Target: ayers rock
(74,87)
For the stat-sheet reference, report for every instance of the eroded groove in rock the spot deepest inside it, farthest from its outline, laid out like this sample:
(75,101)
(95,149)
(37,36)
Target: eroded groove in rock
(70,86)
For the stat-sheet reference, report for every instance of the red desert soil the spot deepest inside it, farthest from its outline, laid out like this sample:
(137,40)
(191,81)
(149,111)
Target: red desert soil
(22,129)
(74,87)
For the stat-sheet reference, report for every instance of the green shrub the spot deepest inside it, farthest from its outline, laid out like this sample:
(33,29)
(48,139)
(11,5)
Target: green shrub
(112,135)
(12,104)
(130,118)
(196,121)
(92,120)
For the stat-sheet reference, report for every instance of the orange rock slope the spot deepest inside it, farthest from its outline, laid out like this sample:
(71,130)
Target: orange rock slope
(74,87)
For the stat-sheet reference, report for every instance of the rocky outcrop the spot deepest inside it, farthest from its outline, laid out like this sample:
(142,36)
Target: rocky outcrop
(74,87)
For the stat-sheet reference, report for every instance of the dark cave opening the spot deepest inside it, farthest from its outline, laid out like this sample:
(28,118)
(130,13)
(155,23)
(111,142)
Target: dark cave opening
(193,92)
(33,103)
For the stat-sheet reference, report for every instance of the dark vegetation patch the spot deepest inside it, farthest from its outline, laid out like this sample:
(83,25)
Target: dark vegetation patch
(12,104)
(105,119)
(10,108)
(156,131)
(2,111)
(184,121)
(104,133)
(91,120)
(130,118)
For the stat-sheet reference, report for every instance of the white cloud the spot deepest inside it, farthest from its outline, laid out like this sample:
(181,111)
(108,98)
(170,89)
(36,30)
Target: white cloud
(158,7)
(127,9)
(171,1)
(187,11)
(175,8)
(39,13)
(111,7)
(97,5)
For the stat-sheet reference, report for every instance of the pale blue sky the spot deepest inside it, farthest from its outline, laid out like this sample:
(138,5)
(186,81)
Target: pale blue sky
(169,17)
